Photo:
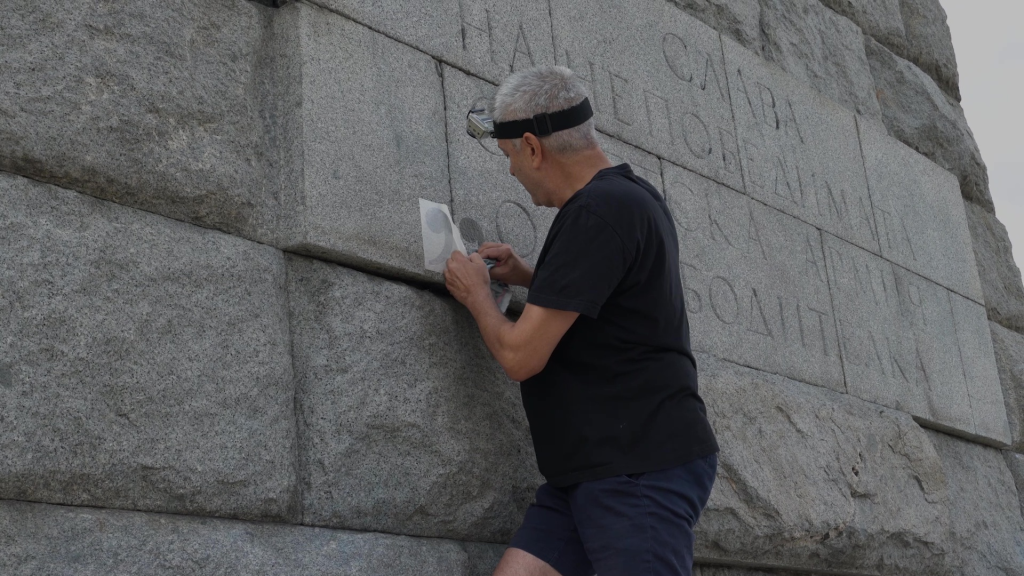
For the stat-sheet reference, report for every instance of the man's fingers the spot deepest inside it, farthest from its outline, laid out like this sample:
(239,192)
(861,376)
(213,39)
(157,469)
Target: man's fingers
(474,257)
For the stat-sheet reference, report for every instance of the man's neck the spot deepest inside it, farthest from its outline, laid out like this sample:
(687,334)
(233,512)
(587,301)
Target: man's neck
(576,172)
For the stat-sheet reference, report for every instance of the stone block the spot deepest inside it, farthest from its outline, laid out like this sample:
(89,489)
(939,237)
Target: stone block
(880,19)
(800,151)
(148,104)
(737,19)
(1009,351)
(657,79)
(919,213)
(488,203)
(820,48)
(755,282)
(1000,277)
(372,142)
(488,38)
(814,480)
(918,113)
(145,362)
(45,540)
(902,343)
(407,425)
(986,528)
(930,44)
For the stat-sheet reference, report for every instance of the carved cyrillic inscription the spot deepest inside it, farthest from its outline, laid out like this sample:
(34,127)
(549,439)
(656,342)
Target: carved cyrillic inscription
(754,281)
(800,153)
(899,340)
(657,78)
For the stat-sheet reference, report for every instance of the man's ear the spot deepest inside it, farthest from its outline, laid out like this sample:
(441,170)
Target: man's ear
(533,149)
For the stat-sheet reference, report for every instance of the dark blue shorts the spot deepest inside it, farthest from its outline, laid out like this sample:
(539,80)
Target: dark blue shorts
(635,525)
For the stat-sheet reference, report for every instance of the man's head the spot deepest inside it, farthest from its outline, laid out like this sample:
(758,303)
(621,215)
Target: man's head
(532,159)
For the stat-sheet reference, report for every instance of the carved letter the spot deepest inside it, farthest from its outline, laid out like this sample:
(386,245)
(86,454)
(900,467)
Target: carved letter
(659,119)
(726,291)
(522,47)
(696,135)
(729,160)
(758,321)
(768,107)
(811,257)
(694,305)
(676,52)
(468,27)
(509,219)
(753,234)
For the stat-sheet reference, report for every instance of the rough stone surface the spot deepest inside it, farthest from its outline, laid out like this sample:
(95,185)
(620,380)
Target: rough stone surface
(902,344)
(488,203)
(980,372)
(821,48)
(45,540)
(919,213)
(147,104)
(1015,462)
(145,361)
(738,19)
(372,143)
(880,19)
(929,43)
(816,480)
(986,529)
(489,38)
(1000,277)
(919,114)
(800,151)
(1009,351)
(407,425)
(657,78)
(755,282)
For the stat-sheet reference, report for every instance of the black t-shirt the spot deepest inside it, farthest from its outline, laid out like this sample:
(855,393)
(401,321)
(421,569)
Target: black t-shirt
(619,394)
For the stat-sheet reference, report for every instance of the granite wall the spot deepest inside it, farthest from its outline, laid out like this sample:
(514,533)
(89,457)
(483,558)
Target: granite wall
(219,352)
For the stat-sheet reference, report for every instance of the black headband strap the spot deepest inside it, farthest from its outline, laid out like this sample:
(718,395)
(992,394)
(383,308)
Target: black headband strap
(545,123)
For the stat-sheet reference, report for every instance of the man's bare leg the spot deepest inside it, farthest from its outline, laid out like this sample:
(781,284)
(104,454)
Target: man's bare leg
(517,562)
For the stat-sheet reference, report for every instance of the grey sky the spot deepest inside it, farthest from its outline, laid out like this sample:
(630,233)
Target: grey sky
(988,36)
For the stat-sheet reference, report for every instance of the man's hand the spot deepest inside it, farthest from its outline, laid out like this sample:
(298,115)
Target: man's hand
(510,268)
(466,278)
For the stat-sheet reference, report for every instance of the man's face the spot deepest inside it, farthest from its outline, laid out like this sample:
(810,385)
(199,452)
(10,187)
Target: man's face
(520,166)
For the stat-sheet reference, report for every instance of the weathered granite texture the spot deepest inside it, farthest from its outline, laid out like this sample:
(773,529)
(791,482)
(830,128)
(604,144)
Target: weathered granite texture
(45,540)
(800,151)
(1015,462)
(738,19)
(407,425)
(1009,351)
(918,113)
(929,43)
(151,105)
(816,480)
(489,38)
(880,19)
(919,213)
(372,142)
(145,361)
(1000,277)
(914,346)
(755,282)
(657,79)
(821,48)
(986,529)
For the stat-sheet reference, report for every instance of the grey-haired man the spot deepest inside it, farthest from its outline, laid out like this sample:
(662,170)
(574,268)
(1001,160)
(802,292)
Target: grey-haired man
(602,351)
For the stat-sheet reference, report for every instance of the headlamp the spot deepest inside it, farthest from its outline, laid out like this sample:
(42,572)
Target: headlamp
(479,125)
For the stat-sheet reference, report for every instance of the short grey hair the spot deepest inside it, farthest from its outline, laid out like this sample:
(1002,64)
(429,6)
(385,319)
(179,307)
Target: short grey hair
(545,89)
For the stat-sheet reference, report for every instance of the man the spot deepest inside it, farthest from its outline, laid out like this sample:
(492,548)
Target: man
(602,351)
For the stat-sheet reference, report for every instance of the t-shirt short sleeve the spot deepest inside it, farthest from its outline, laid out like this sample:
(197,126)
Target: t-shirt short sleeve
(584,262)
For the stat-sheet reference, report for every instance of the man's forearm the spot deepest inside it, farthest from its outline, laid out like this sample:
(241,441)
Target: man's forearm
(496,330)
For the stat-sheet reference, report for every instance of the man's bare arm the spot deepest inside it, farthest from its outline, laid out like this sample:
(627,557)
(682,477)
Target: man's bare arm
(523,347)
